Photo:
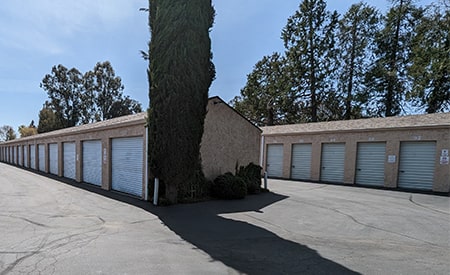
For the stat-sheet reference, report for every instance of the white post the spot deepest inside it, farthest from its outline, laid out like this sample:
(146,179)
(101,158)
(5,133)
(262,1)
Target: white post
(155,194)
(261,154)
(265,179)
(146,164)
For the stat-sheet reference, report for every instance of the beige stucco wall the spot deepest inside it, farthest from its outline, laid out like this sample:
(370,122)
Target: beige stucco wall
(228,139)
(393,139)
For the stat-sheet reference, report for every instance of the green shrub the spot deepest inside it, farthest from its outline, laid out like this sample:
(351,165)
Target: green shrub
(251,174)
(229,186)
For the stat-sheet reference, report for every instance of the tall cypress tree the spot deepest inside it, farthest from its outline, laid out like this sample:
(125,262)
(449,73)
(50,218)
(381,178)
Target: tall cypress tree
(180,74)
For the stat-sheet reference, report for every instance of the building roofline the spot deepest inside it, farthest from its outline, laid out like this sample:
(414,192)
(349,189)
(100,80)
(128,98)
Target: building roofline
(114,123)
(236,111)
(412,122)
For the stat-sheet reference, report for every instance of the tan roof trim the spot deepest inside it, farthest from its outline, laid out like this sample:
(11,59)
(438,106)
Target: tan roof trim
(428,121)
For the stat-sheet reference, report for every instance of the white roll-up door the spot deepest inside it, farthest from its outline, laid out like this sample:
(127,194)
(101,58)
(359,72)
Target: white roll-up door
(14,155)
(127,156)
(332,162)
(301,161)
(370,161)
(69,160)
(19,155)
(25,156)
(417,164)
(33,156)
(41,156)
(274,166)
(92,162)
(53,158)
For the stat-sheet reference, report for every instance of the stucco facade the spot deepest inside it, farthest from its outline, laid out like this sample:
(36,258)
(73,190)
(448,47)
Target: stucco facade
(391,131)
(228,139)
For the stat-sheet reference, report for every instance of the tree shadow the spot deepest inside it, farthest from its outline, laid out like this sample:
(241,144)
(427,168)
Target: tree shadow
(240,245)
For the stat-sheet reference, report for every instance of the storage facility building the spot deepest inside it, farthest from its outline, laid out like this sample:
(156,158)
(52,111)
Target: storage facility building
(113,153)
(410,152)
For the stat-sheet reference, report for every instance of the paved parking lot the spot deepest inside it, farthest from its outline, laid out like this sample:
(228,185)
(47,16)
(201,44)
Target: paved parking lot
(50,227)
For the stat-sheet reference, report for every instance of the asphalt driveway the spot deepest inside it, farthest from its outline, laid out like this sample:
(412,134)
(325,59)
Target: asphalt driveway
(51,227)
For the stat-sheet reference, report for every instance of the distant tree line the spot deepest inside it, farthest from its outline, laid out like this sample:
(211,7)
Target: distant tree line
(360,64)
(75,98)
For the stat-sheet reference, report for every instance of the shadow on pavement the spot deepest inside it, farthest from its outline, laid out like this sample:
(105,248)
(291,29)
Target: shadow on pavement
(242,246)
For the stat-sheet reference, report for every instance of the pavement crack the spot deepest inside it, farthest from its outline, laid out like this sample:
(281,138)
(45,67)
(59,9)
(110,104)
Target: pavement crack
(372,226)
(426,207)
(26,220)
(21,259)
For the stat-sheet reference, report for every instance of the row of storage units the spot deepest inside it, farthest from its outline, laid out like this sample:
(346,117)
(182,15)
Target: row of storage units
(403,157)
(94,154)
(417,163)
(113,153)
(126,158)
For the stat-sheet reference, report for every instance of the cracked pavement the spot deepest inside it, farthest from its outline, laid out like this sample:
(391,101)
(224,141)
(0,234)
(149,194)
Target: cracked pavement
(51,227)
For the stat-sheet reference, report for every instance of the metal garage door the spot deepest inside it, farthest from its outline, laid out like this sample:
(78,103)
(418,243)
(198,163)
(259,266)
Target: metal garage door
(19,155)
(92,162)
(332,162)
(417,164)
(370,162)
(274,160)
(41,156)
(33,156)
(301,161)
(25,156)
(69,160)
(53,158)
(127,165)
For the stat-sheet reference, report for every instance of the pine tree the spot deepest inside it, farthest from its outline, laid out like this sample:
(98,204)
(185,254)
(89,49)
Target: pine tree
(180,74)
(387,79)
(267,98)
(357,29)
(309,39)
(430,69)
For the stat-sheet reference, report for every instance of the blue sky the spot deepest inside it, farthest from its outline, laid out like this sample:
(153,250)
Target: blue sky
(38,34)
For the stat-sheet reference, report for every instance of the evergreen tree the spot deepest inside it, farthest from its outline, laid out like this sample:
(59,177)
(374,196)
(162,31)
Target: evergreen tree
(309,39)
(48,120)
(7,133)
(64,88)
(103,97)
(76,99)
(430,69)
(357,29)
(387,79)
(180,74)
(267,98)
